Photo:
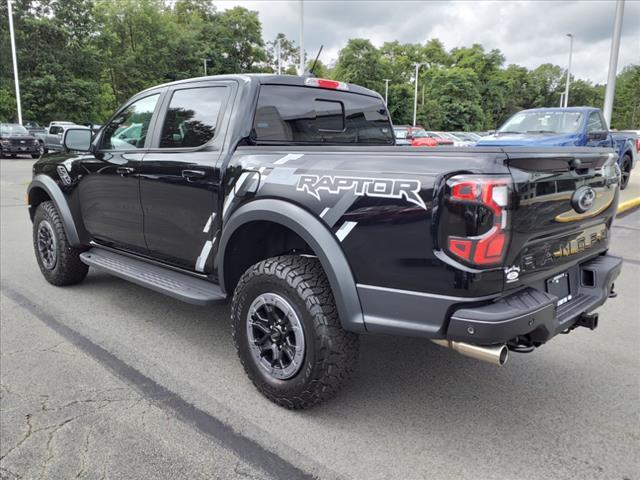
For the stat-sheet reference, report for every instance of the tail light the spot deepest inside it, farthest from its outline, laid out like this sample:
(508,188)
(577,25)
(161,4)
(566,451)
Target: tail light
(481,204)
(638,144)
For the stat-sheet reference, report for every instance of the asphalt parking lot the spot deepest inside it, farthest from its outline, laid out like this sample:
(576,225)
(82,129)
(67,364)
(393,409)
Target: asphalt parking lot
(109,380)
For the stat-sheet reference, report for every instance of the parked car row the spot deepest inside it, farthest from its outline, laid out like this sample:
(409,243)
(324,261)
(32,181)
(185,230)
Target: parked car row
(32,139)
(419,137)
(539,127)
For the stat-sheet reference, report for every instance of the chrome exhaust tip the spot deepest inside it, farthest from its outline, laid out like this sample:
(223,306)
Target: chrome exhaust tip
(497,354)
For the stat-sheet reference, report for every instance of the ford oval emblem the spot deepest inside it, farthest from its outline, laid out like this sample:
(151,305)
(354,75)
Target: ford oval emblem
(583,199)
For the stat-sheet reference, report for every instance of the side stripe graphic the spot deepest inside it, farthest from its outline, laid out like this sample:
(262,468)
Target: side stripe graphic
(286,158)
(345,229)
(204,254)
(207,227)
(232,193)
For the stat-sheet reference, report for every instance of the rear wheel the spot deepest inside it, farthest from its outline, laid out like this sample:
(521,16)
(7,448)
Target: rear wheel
(625,169)
(58,261)
(287,332)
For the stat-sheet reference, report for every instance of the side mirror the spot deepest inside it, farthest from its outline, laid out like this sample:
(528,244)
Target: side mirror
(409,137)
(78,139)
(597,135)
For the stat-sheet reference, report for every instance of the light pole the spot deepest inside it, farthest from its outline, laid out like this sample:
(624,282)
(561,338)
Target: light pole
(613,63)
(415,96)
(301,38)
(386,89)
(15,61)
(205,61)
(566,88)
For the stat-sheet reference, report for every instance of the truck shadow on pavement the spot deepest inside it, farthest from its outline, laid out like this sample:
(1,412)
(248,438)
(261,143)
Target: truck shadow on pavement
(407,381)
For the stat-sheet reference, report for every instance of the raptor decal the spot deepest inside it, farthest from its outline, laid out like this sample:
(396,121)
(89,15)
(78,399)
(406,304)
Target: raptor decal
(363,187)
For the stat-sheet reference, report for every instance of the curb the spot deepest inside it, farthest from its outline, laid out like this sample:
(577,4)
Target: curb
(628,205)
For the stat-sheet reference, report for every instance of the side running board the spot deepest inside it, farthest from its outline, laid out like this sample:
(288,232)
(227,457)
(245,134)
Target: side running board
(170,282)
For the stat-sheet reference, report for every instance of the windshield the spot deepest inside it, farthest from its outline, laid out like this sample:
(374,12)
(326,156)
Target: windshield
(451,136)
(12,129)
(400,132)
(543,122)
(419,133)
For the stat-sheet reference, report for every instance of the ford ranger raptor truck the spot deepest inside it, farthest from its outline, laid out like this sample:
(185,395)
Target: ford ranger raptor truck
(287,196)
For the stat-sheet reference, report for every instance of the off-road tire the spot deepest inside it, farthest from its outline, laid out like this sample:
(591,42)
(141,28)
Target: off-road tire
(68,268)
(625,168)
(330,351)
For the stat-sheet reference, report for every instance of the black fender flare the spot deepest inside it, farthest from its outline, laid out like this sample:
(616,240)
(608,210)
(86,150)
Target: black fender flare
(318,237)
(52,189)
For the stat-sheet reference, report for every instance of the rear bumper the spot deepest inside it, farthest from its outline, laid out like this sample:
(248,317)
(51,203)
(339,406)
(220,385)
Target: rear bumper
(532,312)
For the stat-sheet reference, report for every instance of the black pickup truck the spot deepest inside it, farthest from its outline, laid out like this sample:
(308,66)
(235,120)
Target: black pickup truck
(287,196)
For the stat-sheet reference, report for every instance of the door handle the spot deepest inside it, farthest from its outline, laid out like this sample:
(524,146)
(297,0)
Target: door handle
(191,174)
(124,171)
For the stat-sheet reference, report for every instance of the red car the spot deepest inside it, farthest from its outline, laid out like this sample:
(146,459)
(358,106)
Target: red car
(414,136)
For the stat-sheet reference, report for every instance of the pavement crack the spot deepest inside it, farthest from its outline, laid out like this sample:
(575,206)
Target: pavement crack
(8,474)
(24,439)
(85,453)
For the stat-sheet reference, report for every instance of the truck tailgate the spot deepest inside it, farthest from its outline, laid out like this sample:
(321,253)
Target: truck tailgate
(565,203)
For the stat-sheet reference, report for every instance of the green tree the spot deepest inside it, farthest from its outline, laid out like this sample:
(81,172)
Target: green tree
(237,34)
(454,100)
(626,106)
(289,54)
(546,83)
(359,62)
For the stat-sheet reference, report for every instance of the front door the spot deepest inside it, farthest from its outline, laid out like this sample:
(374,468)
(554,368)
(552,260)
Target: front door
(180,178)
(110,187)
(53,136)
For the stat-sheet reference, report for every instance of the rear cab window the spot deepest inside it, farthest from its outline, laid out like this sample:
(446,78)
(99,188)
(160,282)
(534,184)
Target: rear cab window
(288,114)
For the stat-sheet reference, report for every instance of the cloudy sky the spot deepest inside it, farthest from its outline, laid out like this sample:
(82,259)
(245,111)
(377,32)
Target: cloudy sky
(528,33)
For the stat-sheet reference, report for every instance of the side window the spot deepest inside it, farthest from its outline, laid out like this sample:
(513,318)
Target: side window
(129,128)
(595,123)
(55,130)
(192,117)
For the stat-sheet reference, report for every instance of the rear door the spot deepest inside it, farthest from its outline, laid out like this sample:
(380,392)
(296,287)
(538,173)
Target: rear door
(180,177)
(563,209)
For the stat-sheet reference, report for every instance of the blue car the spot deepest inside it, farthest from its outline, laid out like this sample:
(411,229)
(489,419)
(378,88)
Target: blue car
(565,127)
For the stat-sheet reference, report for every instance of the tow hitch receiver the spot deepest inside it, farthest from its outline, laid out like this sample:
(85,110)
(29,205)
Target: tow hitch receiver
(589,320)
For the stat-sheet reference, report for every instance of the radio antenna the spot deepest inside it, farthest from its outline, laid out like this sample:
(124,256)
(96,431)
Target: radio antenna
(316,60)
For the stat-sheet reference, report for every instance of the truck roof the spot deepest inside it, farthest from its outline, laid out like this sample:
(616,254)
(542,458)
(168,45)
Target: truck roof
(266,78)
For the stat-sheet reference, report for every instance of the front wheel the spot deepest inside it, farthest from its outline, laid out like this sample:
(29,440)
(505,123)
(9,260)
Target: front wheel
(625,170)
(59,262)
(287,332)
(41,151)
